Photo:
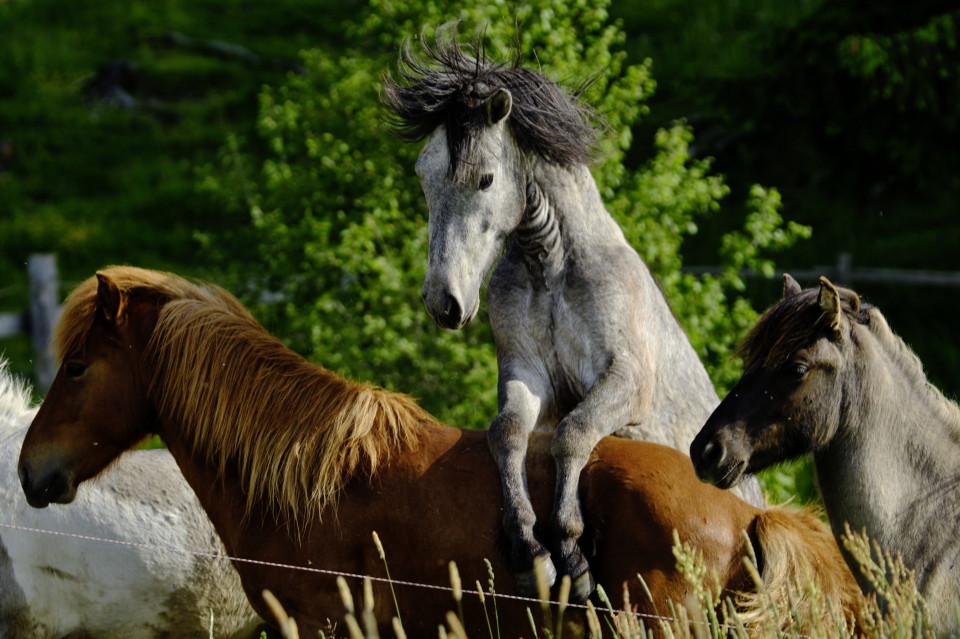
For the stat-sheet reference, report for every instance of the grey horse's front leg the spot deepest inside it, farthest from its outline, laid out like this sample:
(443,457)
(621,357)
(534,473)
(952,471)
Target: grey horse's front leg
(611,403)
(507,439)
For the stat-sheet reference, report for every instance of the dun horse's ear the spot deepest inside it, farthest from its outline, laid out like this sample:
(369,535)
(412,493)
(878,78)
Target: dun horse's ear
(790,286)
(499,106)
(112,300)
(829,300)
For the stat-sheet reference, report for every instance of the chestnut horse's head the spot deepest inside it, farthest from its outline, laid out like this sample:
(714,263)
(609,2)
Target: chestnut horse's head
(791,398)
(96,407)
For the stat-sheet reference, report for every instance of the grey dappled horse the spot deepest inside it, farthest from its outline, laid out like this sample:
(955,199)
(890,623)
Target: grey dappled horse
(825,374)
(586,342)
(52,586)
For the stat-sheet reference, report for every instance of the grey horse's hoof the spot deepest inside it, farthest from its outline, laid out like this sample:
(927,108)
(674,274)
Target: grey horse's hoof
(527,580)
(582,587)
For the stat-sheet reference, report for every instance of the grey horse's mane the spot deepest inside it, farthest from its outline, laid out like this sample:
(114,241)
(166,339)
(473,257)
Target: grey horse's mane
(446,86)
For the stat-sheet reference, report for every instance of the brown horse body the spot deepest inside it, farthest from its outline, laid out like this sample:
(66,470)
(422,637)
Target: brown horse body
(297,466)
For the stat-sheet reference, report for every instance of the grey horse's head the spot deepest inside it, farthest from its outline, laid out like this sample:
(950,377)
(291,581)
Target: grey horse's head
(472,212)
(485,125)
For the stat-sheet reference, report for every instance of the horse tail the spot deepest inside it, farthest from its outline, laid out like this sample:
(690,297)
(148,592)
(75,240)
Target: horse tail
(805,582)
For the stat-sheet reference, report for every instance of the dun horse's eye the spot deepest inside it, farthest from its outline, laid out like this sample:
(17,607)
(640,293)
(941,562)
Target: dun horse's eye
(798,369)
(485,181)
(74,370)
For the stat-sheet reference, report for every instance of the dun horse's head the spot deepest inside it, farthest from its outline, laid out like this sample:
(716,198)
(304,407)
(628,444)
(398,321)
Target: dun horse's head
(96,407)
(791,398)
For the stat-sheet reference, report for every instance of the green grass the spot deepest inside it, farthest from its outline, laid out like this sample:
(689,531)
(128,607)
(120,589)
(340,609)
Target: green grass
(97,184)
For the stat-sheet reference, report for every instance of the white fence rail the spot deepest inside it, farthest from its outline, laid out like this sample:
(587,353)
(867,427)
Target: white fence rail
(844,273)
(39,320)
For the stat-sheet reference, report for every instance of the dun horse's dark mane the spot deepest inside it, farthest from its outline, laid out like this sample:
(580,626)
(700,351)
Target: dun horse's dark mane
(448,87)
(798,320)
(297,431)
(791,323)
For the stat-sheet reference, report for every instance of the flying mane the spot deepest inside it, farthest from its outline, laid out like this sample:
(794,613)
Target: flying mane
(450,88)
(297,431)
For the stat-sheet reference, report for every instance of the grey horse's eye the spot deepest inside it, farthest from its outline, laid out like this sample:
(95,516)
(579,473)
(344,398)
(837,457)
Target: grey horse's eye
(485,181)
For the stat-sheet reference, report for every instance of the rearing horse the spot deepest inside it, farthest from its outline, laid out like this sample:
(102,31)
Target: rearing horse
(586,342)
(297,466)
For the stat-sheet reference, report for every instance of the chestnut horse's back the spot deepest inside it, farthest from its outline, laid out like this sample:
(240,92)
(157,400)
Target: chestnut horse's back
(651,490)
(646,491)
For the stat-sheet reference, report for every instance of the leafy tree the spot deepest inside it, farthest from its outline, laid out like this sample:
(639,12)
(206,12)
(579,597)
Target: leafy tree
(337,230)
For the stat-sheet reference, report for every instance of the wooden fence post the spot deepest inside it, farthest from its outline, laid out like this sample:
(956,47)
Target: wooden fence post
(44,312)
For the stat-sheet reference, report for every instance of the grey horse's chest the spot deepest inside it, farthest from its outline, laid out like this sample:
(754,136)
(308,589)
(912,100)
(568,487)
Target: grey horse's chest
(560,352)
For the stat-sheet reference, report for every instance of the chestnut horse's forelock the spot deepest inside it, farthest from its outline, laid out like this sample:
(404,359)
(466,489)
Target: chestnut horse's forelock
(298,431)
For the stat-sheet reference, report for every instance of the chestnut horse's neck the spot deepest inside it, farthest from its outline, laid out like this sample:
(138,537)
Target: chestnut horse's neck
(894,465)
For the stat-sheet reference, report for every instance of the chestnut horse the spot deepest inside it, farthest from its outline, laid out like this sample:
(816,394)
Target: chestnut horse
(298,466)
(826,375)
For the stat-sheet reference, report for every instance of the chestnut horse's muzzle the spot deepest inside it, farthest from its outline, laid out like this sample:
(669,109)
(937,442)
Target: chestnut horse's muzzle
(44,484)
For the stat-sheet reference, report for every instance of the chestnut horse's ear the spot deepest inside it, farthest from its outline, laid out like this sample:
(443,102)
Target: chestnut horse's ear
(829,300)
(499,106)
(111,298)
(790,286)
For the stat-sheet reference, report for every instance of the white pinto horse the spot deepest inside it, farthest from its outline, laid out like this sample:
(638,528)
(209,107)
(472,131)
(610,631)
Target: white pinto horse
(54,586)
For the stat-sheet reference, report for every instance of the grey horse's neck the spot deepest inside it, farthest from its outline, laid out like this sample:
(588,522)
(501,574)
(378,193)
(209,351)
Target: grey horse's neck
(538,235)
(563,210)
(894,466)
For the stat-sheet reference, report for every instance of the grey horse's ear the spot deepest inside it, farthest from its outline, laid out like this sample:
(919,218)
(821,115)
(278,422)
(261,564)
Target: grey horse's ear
(829,300)
(498,106)
(790,286)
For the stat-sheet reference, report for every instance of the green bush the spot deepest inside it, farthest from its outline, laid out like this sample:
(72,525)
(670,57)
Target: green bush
(337,230)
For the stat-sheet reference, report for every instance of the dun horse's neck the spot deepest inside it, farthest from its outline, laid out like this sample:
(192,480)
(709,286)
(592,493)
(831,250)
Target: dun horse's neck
(894,467)
(563,212)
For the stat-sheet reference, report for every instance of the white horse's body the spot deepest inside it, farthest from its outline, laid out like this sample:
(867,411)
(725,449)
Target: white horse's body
(55,586)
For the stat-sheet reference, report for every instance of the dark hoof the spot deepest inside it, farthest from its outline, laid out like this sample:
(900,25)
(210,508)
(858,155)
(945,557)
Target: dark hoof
(527,580)
(582,587)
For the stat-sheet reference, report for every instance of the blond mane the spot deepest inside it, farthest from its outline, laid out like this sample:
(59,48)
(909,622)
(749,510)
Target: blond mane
(296,431)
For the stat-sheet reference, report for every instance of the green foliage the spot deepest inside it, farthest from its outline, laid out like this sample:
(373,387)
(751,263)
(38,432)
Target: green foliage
(338,224)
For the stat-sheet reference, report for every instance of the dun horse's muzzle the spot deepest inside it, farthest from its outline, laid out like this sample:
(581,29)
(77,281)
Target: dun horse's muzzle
(715,462)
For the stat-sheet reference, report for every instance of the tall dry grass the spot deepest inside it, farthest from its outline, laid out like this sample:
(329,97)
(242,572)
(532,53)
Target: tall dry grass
(895,610)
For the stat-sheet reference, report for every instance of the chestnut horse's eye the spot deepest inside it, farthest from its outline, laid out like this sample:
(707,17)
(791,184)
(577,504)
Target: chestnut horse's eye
(485,181)
(74,370)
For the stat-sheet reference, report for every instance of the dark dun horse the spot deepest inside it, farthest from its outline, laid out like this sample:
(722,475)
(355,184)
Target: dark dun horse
(825,374)
(587,345)
(296,465)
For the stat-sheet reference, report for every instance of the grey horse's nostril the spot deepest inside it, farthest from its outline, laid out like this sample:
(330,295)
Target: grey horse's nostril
(451,311)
